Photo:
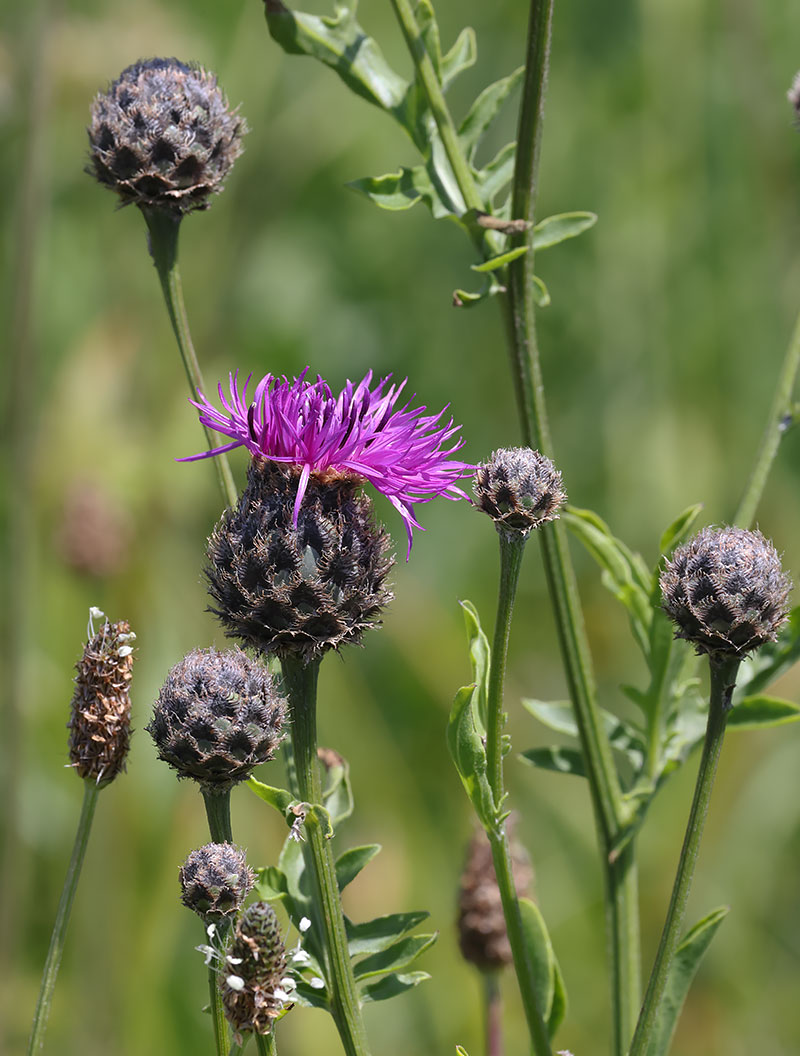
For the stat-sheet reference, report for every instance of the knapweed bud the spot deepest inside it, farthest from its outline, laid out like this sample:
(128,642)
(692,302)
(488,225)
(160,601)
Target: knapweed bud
(481,925)
(298,588)
(100,725)
(215,880)
(254,969)
(216,718)
(519,489)
(726,591)
(793,95)
(163,135)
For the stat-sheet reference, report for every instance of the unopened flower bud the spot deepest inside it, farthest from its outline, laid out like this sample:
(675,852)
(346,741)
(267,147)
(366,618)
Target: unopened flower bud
(217,717)
(519,489)
(481,925)
(298,589)
(100,725)
(163,135)
(726,591)
(258,962)
(215,880)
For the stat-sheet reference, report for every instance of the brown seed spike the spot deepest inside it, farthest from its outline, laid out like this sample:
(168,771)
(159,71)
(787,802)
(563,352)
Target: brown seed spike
(100,725)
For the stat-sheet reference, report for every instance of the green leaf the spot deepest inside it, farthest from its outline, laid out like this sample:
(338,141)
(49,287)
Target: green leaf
(461,1051)
(342,44)
(540,955)
(480,657)
(350,863)
(271,883)
(399,955)
(307,995)
(558,758)
(392,986)
(676,532)
(555,229)
(501,260)
(558,1008)
(622,735)
(278,798)
(468,752)
(395,190)
(761,712)
(337,793)
(429,32)
(497,174)
(372,936)
(681,973)
(484,110)
(540,292)
(465,299)
(461,56)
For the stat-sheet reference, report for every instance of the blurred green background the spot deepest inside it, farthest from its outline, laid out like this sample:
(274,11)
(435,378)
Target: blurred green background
(669,319)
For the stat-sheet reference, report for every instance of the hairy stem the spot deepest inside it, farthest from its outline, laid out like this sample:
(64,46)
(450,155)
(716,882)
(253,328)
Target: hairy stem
(611,813)
(780,416)
(512,547)
(300,684)
(90,794)
(164,228)
(723,679)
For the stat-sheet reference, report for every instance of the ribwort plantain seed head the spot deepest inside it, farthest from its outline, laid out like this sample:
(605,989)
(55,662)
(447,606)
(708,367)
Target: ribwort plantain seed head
(100,723)
(217,717)
(519,489)
(163,135)
(725,591)
(251,992)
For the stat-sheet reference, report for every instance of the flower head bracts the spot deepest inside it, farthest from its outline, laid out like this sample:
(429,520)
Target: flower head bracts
(357,434)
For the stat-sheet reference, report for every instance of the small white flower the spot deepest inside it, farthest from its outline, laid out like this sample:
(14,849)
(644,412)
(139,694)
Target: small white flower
(234,960)
(288,983)
(235,982)
(280,995)
(316,983)
(209,953)
(124,650)
(95,613)
(211,930)
(301,956)
(305,924)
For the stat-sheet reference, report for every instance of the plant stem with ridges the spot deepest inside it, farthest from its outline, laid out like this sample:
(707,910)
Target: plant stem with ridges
(218,813)
(300,685)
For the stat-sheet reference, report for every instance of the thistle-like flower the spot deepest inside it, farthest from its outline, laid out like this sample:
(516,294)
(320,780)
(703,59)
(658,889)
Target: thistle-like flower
(726,591)
(519,489)
(215,880)
(216,718)
(164,136)
(482,934)
(252,989)
(100,724)
(358,436)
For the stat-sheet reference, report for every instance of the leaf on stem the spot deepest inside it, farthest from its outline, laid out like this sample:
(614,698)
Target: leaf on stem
(399,955)
(551,998)
(372,936)
(460,57)
(681,973)
(557,758)
(391,986)
(676,532)
(762,712)
(350,863)
(554,229)
(484,110)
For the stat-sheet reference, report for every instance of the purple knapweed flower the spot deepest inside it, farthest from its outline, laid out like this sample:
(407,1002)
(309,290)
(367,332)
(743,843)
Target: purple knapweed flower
(357,434)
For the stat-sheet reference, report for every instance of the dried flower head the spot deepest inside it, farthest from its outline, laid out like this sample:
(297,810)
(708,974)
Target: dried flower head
(481,925)
(163,135)
(301,586)
(217,717)
(519,489)
(100,725)
(726,591)
(357,435)
(793,95)
(252,994)
(215,880)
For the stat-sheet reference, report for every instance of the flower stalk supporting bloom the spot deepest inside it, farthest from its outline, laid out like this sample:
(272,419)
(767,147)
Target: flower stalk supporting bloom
(359,434)
(300,683)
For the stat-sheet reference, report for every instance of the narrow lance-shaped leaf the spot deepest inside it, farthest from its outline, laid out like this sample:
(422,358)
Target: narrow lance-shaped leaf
(681,973)
(460,57)
(484,109)
(391,986)
(350,863)
(555,229)
(372,936)
(557,758)
(676,532)
(762,712)
(400,955)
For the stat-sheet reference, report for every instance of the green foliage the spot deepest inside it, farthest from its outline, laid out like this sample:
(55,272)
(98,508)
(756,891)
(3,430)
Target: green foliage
(551,997)
(682,971)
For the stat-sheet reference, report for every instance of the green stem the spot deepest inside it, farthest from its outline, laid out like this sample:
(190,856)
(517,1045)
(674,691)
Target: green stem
(512,547)
(723,679)
(612,814)
(493,1009)
(218,813)
(90,794)
(776,427)
(265,1043)
(438,105)
(300,685)
(164,228)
